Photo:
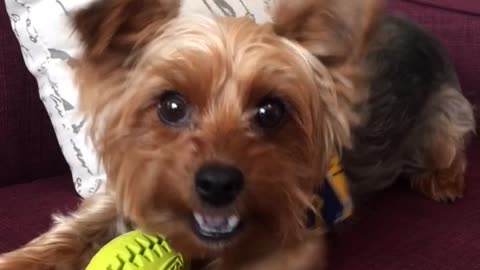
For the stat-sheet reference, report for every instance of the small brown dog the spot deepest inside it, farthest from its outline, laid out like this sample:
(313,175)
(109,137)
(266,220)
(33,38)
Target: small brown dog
(216,131)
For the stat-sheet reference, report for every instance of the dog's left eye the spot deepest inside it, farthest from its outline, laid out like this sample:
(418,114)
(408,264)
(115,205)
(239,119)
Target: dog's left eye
(270,113)
(173,109)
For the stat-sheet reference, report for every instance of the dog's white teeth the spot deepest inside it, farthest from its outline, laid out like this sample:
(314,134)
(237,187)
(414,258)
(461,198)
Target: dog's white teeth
(217,224)
(214,221)
(198,218)
(233,221)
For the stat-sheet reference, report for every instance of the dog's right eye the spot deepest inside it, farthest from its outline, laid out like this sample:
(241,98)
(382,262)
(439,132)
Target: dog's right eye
(270,113)
(173,109)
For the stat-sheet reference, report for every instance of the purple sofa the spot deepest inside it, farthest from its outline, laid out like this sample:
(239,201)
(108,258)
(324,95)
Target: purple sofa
(397,230)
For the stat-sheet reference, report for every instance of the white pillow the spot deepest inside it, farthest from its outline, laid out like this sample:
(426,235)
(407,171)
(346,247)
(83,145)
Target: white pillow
(48,43)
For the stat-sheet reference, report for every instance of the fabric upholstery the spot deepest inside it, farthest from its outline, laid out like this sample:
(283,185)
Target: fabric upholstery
(467,6)
(25,209)
(28,147)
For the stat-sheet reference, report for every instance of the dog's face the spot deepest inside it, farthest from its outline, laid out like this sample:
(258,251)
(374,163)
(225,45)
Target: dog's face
(215,131)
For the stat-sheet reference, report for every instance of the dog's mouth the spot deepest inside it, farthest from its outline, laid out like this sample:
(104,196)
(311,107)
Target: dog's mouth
(216,229)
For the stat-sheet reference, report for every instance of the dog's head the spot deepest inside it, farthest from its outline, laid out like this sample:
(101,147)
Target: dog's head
(215,131)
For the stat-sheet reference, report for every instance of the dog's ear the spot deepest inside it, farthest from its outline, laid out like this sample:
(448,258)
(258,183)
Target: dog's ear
(337,33)
(118,26)
(333,30)
(113,33)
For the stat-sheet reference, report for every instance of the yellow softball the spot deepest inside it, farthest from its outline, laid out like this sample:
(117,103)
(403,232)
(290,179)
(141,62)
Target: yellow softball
(137,251)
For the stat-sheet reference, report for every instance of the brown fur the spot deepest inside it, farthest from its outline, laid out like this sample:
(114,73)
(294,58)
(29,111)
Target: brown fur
(444,184)
(449,127)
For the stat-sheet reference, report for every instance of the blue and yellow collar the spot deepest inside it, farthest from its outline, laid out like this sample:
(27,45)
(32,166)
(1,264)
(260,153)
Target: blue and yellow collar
(332,202)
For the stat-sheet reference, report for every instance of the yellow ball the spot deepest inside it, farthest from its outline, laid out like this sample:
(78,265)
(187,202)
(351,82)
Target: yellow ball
(137,251)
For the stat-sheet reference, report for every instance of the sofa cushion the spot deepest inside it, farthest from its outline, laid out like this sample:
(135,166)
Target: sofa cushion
(25,209)
(28,148)
(399,229)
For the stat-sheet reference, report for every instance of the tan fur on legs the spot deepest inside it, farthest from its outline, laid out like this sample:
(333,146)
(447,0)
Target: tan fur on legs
(71,242)
(449,123)
(445,184)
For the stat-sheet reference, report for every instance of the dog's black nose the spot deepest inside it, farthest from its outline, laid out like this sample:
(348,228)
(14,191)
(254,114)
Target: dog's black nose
(218,185)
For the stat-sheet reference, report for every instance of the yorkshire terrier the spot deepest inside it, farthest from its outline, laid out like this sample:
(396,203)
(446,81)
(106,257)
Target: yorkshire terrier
(215,131)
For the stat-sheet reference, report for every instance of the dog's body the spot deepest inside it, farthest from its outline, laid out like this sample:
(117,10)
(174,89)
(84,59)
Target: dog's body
(303,84)
(417,117)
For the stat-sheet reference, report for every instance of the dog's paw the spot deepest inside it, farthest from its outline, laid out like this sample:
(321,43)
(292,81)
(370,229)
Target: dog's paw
(440,187)
(443,185)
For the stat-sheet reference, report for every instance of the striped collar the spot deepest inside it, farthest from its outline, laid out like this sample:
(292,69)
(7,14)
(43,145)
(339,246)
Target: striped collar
(332,202)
